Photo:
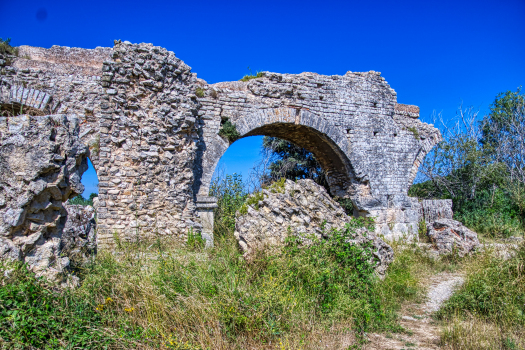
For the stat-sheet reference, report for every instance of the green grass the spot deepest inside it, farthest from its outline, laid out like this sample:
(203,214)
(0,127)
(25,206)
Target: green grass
(249,77)
(167,295)
(488,311)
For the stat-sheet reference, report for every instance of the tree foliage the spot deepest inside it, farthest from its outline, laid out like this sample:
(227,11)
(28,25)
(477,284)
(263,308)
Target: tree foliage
(292,162)
(480,165)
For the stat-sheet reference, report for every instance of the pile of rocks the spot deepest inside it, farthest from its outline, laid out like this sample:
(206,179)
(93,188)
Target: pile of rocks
(452,237)
(301,207)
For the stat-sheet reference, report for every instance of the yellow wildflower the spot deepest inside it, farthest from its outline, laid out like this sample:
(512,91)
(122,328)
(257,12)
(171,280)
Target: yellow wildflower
(129,309)
(109,300)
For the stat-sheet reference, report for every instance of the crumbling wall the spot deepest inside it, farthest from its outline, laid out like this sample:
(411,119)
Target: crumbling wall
(58,80)
(369,145)
(153,130)
(148,137)
(41,163)
(302,209)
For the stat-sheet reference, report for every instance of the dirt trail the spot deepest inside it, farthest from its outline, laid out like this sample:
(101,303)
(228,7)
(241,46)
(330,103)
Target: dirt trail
(422,332)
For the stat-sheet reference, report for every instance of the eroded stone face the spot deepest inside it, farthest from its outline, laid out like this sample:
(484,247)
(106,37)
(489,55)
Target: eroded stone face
(452,237)
(300,208)
(153,129)
(78,241)
(41,163)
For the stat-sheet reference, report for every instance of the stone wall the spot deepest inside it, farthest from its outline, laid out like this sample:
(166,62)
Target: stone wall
(152,129)
(41,164)
(369,145)
(435,209)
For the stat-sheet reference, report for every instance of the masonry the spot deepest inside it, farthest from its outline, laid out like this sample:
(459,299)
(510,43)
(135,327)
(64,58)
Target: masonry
(152,131)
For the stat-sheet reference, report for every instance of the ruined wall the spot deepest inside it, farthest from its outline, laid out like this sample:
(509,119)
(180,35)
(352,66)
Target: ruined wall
(155,143)
(148,140)
(41,163)
(56,81)
(369,145)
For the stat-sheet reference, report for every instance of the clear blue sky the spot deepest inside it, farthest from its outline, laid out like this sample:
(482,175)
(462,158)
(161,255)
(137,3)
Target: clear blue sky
(435,54)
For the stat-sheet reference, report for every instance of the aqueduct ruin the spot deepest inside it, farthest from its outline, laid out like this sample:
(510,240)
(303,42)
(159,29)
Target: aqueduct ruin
(151,129)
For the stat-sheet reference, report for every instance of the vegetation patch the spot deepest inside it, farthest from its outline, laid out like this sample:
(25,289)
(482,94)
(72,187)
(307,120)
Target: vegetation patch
(492,298)
(80,200)
(6,48)
(414,131)
(229,131)
(199,92)
(252,76)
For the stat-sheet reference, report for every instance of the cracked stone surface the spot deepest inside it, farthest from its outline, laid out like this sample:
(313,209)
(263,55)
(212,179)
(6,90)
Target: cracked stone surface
(152,130)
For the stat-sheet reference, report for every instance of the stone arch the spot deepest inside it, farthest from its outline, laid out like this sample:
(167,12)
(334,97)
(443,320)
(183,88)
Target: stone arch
(24,100)
(328,144)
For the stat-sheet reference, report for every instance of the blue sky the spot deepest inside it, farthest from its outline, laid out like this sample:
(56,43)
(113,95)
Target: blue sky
(435,54)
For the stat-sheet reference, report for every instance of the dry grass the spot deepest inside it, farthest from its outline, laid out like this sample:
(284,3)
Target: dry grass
(473,333)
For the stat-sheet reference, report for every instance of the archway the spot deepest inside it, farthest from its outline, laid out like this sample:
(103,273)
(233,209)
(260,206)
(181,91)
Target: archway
(316,136)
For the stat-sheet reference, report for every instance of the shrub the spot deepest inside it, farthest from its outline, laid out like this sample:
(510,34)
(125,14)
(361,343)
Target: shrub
(251,76)
(80,200)
(231,194)
(199,92)
(36,316)
(6,48)
(229,131)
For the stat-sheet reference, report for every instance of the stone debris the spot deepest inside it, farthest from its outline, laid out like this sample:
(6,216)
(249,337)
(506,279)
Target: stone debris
(451,236)
(79,234)
(41,163)
(301,207)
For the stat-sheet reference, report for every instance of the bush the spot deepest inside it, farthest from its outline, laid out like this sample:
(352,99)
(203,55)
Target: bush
(229,131)
(6,48)
(34,315)
(249,77)
(231,194)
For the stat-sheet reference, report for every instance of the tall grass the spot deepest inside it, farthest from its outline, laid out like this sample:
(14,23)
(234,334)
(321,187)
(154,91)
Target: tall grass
(171,296)
(488,311)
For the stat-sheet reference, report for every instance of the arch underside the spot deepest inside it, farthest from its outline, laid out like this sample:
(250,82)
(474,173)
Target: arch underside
(337,168)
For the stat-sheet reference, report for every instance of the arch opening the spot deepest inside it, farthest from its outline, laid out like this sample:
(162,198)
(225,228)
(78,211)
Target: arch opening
(337,170)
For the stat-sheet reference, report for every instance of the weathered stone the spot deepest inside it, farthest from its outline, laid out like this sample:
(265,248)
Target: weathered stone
(435,209)
(155,143)
(300,208)
(451,236)
(41,162)
(78,237)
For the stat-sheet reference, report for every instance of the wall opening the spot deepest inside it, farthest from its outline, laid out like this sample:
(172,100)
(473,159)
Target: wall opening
(90,181)
(255,162)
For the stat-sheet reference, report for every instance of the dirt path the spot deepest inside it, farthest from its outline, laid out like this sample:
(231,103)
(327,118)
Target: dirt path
(422,332)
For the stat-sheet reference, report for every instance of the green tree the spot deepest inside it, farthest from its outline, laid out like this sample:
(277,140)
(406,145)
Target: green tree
(504,139)
(291,162)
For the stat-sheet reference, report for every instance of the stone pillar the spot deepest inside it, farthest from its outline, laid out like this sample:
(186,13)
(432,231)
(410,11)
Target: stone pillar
(204,207)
